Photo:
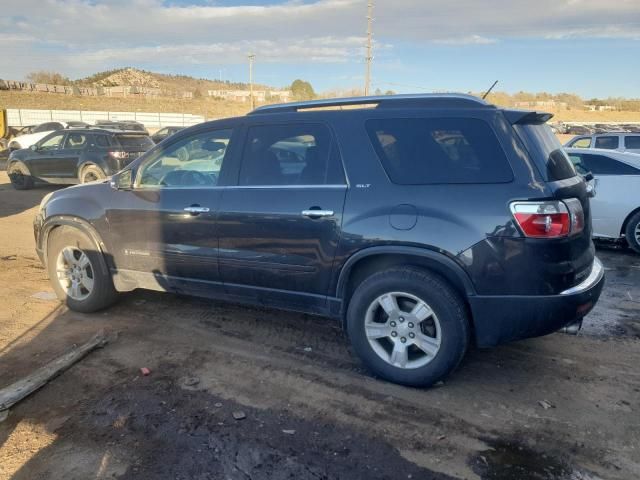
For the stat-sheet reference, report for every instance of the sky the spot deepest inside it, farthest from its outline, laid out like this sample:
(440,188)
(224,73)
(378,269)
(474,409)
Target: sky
(588,47)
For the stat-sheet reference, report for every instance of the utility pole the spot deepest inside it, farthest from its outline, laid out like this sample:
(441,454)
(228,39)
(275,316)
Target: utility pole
(369,57)
(251,58)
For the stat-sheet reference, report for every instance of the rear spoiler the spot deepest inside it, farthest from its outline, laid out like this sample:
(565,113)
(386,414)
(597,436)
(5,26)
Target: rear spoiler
(526,116)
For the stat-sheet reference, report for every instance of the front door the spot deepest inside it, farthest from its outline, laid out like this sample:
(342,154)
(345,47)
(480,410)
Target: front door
(164,229)
(45,160)
(280,225)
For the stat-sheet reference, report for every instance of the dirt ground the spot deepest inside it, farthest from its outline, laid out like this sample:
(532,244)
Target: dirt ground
(311,411)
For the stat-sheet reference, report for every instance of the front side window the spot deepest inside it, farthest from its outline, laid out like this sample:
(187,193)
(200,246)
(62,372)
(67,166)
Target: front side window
(608,143)
(75,141)
(420,151)
(194,161)
(296,154)
(581,143)
(601,165)
(52,143)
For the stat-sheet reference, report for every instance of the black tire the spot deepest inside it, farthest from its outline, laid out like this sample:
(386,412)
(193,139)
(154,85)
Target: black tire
(91,173)
(445,303)
(103,293)
(19,176)
(632,232)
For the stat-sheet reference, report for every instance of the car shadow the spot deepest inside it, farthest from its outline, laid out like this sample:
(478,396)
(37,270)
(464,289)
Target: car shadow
(14,201)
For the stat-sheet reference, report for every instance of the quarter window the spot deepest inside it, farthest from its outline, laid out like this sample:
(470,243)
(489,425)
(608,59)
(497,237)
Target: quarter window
(194,161)
(419,151)
(300,154)
(608,143)
(632,141)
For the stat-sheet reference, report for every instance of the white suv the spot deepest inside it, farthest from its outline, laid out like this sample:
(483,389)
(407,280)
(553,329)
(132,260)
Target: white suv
(621,142)
(41,131)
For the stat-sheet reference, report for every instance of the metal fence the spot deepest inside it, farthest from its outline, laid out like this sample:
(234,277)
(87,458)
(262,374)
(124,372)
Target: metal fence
(23,117)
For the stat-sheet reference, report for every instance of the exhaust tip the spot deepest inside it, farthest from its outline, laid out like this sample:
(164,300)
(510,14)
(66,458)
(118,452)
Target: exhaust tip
(572,328)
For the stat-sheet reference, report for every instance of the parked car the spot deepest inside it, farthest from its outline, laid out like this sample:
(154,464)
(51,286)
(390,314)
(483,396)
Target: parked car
(39,132)
(75,156)
(619,141)
(615,209)
(164,133)
(122,125)
(421,224)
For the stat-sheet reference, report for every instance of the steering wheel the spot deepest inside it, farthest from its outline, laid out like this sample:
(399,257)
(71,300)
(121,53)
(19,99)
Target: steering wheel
(191,178)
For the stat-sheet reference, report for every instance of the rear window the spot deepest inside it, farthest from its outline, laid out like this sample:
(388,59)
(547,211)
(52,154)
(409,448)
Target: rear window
(135,141)
(546,150)
(421,151)
(632,141)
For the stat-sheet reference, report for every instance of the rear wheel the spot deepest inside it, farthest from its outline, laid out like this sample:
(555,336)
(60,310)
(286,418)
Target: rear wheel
(20,177)
(77,272)
(632,232)
(91,173)
(408,326)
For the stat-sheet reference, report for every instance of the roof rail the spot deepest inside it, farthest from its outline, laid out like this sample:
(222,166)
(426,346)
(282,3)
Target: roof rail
(444,100)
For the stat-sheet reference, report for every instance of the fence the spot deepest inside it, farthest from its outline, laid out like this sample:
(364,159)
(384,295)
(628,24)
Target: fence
(23,117)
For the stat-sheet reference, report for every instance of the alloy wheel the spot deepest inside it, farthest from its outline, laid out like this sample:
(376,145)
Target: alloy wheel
(75,273)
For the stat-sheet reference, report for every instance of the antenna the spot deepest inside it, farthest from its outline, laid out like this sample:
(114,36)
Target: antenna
(489,91)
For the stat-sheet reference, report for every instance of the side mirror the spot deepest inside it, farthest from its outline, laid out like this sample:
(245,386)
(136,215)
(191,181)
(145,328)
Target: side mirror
(122,180)
(34,147)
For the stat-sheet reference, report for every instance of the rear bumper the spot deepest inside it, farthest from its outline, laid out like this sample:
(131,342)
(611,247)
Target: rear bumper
(499,319)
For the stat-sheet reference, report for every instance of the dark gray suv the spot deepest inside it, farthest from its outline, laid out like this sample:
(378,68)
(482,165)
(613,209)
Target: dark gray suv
(422,222)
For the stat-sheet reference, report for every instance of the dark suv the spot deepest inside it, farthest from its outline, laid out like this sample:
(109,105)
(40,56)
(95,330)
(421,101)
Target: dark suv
(421,222)
(73,156)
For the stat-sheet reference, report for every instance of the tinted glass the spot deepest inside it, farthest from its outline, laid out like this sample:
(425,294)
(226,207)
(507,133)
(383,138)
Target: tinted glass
(601,165)
(52,143)
(135,141)
(576,159)
(632,141)
(75,141)
(609,143)
(102,141)
(297,154)
(581,143)
(194,161)
(419,151)
(546,151)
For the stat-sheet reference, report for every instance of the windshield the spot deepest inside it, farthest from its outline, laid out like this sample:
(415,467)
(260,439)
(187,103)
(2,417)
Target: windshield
(546,151)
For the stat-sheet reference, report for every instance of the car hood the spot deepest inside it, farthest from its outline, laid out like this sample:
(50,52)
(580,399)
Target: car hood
(26,141)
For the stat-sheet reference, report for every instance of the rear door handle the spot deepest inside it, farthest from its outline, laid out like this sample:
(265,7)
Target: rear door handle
(196,209)
(317,213)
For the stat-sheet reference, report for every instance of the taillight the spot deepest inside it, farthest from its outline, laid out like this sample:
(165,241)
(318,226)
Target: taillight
(549,219)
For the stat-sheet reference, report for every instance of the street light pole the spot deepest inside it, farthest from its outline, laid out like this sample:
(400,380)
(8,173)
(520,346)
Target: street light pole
(369,57)
(251,58)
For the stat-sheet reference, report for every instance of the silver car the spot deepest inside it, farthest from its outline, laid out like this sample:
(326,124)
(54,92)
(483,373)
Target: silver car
(618,141)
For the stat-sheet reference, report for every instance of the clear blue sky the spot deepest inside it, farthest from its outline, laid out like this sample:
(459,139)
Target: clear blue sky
(588,47)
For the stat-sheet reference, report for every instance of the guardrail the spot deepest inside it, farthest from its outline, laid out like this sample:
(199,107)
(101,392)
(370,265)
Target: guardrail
(22,117)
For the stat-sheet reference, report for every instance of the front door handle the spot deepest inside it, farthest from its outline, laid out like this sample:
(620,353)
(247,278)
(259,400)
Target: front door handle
(313,213)
(195,209)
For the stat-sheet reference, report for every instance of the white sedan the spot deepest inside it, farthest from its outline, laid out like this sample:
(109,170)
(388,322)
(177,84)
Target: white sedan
(615,209)
(41,131)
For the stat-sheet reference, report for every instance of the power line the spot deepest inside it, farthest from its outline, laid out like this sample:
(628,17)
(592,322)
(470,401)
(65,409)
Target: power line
(369,57)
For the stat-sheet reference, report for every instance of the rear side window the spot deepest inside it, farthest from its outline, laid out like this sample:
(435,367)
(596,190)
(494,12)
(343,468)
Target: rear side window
(632,141)
(608,143)
(421,151)
(546,151)
(601,165)
(135,141)
(102,141)
(295,154)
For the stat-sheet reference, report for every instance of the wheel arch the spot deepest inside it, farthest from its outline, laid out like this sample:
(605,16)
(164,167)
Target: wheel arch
(80,224)
(626,221)
(18,162)
(84,165)
(365,262)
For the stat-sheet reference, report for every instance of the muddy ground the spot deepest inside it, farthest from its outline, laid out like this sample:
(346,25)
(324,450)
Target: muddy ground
(310,410)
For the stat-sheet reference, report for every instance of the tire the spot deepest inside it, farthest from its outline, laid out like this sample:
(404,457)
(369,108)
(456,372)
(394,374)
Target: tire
(632,232)
(91,173)
(69,247)
(19,176)
(442,328)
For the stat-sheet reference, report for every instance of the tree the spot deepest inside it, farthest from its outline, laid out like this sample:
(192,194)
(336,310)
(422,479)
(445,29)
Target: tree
(302,90)
(43,76)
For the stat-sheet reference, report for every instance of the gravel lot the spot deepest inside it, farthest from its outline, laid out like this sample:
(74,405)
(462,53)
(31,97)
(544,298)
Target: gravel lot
(310,410)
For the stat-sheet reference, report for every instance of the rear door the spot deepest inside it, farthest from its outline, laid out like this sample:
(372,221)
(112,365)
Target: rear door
(280,225)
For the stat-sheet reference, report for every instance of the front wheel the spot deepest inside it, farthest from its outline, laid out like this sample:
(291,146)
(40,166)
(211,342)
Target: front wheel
(632,232)
(77,272)
(408,326)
